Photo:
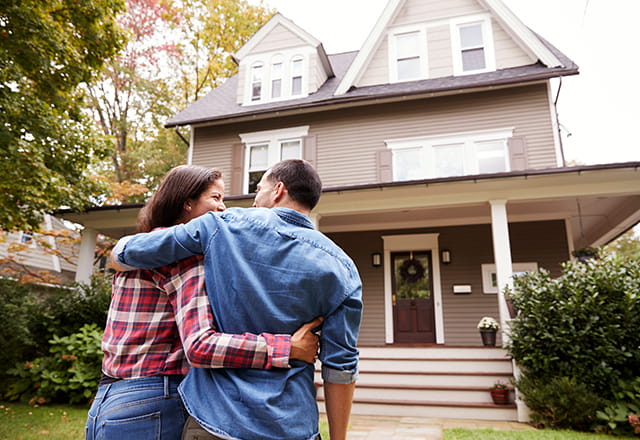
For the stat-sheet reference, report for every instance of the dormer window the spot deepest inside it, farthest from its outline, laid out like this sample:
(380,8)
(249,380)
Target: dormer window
(408,54)
(276,80)
(296,76)
(256,82)
(472,45)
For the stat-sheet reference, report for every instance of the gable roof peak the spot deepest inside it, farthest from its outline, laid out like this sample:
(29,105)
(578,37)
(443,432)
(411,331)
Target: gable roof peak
(514,26)
(277,20)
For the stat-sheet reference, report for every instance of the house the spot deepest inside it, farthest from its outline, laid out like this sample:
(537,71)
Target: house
(49,257)
(439,149)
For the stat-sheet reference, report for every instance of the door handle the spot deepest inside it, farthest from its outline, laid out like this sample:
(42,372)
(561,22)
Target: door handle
(393,300)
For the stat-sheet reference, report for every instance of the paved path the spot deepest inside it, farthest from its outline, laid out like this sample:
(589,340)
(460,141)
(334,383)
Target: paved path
(414,428)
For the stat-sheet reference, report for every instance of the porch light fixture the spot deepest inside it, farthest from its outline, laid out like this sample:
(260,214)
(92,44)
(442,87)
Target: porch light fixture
(445,256)
(376,259)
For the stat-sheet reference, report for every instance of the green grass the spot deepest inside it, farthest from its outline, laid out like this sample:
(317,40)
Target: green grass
(23,422)
(547,434)
(60,422)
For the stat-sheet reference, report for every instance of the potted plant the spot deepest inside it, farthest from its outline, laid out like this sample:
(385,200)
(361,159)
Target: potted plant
(586,253)
(488,327)
(500,392)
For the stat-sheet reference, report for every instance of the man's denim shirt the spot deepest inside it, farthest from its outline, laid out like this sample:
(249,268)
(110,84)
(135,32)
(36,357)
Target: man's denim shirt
(266,270)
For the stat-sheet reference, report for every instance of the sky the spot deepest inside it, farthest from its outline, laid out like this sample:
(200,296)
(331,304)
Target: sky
(599,109)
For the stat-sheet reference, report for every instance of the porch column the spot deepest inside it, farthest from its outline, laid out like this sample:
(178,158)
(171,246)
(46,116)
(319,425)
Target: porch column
(315,219)
(86,254)
(502,255)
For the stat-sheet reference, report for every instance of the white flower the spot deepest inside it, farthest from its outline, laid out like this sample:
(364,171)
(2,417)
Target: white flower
(488,323)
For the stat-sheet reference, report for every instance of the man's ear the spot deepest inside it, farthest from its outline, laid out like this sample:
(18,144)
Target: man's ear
(280,191)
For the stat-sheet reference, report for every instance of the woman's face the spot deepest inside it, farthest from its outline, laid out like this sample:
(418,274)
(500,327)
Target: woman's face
(212,199)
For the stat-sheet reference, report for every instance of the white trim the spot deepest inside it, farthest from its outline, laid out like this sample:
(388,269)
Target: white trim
(502,256)
(392,42)
(569,230)
(487,44)
(190,149)
(511,22)
(489,270)
(413,242)
(368,48)
(55,260)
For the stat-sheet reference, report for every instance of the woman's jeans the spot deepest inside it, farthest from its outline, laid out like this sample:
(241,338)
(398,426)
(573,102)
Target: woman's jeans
(148,408)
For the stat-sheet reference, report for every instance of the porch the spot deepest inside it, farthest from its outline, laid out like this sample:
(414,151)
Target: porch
(433,382)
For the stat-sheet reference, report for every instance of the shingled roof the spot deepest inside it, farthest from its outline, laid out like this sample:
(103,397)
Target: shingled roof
(220,104)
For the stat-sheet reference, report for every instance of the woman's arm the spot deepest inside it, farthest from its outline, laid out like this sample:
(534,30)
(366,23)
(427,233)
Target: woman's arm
(206,348)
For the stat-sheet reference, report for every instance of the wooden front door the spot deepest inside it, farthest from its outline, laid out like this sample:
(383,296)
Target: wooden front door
(412,297)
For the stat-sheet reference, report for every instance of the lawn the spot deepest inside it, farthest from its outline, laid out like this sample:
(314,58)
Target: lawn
(23,422)
(60,422)
(548,434)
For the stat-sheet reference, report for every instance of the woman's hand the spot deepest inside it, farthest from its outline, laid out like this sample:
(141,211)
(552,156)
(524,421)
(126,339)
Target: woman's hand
(304,343)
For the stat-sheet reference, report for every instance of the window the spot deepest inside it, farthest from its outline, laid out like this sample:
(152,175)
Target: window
(490,278)
(296,76)
(472,45)
(266,148)
(407,54)
(447,156)
(276,80)
(256,82)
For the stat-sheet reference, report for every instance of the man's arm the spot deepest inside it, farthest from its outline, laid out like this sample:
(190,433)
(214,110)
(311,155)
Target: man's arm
(337,400)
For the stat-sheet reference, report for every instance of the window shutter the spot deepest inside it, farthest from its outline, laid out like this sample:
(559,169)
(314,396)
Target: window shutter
(385,165)
(309,149)
(517,153)
(237,168)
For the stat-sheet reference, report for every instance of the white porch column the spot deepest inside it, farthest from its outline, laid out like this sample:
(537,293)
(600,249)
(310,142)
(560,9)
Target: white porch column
(86,254)
(315,219)
(502,255)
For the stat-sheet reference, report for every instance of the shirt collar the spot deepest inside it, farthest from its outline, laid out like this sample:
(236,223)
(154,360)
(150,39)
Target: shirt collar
(294,217)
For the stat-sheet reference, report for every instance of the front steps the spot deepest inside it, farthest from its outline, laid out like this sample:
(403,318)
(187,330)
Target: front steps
(447,382)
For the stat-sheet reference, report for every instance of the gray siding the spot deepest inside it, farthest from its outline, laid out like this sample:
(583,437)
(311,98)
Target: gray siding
(278,39)
(470,246)
(347,140)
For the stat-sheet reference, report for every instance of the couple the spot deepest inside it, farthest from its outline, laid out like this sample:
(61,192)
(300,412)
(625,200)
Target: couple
(267,272)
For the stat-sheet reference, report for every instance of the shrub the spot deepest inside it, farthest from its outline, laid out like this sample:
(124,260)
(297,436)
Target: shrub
(582,326)
(621,416)
(70,374)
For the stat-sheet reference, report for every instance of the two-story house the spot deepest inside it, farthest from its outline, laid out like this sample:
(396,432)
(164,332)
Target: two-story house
(439,149)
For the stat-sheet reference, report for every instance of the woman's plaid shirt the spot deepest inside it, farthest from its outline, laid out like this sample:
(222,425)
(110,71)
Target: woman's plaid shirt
(155,313)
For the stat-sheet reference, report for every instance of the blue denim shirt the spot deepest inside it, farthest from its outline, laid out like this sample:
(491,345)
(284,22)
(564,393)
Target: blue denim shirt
(266,270)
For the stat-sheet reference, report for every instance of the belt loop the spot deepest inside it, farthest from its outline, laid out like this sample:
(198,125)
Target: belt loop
(166,385)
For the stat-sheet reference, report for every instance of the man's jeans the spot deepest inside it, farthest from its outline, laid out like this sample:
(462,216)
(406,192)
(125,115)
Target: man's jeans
(148,408)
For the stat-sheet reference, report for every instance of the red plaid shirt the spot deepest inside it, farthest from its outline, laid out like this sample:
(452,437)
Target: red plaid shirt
(155,313)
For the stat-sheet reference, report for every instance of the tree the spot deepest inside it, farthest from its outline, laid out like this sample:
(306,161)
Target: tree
(627,245)
(47,49)
(212,31)
(131,99)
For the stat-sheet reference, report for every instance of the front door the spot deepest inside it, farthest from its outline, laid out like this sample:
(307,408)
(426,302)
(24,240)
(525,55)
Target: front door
(412,297)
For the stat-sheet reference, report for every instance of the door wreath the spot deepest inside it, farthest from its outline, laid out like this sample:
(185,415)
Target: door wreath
(411,270)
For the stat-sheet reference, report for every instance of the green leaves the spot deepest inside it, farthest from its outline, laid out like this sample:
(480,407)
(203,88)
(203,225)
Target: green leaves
(47,49)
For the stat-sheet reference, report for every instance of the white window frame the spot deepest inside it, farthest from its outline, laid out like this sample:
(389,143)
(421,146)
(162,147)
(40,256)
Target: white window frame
(393,52)
(487,36)
(272,76)
(428,144)
(272,138)
(255,66)
(286,57)
(489,274)
(302,75)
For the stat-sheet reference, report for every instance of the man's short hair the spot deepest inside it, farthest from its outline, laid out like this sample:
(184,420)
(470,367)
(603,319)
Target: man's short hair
(301,180)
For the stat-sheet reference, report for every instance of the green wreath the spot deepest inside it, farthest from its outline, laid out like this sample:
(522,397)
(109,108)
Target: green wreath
(411,271)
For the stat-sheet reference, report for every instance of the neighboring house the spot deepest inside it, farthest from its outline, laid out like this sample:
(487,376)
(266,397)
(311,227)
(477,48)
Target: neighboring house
(439,149)
(41,257)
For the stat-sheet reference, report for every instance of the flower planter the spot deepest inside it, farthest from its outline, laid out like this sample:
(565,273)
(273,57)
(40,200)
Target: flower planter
(488,338)
(500,397)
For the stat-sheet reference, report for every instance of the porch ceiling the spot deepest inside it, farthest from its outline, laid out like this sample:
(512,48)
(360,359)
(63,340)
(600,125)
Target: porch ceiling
(598,204)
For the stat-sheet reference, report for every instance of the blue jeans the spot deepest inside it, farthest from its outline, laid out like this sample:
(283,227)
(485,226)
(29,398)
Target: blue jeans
(148,408)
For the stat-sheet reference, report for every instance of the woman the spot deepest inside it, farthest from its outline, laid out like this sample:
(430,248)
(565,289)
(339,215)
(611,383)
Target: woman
(160,321)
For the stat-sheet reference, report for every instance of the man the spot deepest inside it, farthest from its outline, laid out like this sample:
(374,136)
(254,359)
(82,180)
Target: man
(268,270)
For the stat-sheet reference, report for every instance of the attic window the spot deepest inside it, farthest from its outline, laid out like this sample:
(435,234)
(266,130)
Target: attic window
(472,45)
(276,80)
(296,76)
(408,54)
(256,82)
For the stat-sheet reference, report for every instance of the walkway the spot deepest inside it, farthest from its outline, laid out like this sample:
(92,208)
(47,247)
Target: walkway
(414,428)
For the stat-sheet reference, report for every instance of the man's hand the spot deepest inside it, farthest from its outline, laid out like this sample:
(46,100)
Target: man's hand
(304,343)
